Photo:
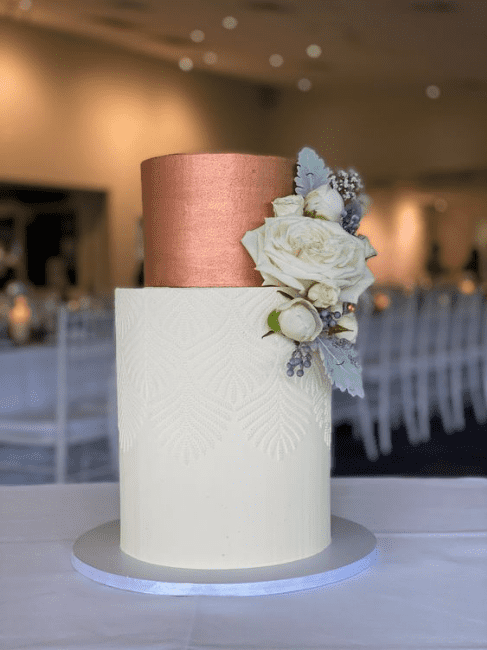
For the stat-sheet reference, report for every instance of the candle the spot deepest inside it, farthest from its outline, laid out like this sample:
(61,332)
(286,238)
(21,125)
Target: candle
(20,320)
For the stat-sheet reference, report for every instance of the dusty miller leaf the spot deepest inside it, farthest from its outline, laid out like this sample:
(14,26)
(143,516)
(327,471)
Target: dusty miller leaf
(340,360)
(312,171)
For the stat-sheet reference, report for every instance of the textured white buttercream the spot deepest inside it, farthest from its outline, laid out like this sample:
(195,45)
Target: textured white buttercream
(224,459)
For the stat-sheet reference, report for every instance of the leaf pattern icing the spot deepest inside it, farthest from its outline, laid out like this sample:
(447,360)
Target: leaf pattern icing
(193,367)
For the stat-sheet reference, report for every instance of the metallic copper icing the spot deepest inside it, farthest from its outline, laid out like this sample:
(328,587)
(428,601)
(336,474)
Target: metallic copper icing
(197,208)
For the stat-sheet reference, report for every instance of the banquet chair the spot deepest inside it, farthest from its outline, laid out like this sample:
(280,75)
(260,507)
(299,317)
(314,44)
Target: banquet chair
(424,355)
(474,342)
(389,374)
(445,363)
(377,344)
(426,366)
(442,358)
(81,410)
(457,360)
(382,385)
(407,356)
(365,420)
(483,349)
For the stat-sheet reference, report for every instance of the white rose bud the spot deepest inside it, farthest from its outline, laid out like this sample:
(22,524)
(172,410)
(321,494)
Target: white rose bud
(324,202)
(323,295)
(299,320)
(348,320)
(288,205)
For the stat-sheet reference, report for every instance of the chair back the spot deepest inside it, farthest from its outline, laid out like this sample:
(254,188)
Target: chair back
(85,368)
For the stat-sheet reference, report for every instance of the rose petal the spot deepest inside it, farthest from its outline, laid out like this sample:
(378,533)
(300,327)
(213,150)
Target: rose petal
(352,293)
(369,249)
(291,205)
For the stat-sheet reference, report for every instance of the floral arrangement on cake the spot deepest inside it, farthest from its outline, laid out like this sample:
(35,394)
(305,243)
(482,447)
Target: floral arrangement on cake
(310,249)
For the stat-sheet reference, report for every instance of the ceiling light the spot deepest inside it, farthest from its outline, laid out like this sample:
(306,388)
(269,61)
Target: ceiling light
(314,51)
(186,64)
(210,58)
(229,22)
(304,85)
(197,35)
(276,60)
(433,92)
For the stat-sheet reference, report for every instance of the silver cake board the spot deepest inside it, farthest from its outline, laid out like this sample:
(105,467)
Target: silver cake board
(97,555)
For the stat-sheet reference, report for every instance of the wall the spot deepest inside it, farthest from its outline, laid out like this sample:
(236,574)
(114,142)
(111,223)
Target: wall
(395,135)
(76,113)
(393,132)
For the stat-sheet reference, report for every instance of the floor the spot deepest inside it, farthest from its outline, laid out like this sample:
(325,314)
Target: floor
(463,453)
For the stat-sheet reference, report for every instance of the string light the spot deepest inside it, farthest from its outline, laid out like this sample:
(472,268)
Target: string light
(197,35)
(433,92)
(186,64)
(276,60)
(210,58)
(313,51)
(304,85)
(229,22)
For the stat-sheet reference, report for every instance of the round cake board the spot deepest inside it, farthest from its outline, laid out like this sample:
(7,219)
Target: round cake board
(97,555)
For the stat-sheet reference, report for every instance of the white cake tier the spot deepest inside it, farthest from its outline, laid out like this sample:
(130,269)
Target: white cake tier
(224,459)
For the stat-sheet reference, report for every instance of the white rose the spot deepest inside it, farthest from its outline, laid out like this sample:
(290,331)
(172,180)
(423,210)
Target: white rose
(299,320)
(296,252)
(369,249)
(348,320)
(323,295)
(288,205)
(324,202)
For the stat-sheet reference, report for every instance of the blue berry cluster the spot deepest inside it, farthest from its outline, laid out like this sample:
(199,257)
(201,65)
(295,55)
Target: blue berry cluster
(329,318)
(351,216)
(300,359)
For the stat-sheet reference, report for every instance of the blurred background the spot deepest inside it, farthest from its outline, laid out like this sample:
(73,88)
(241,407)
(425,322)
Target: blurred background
(397,89)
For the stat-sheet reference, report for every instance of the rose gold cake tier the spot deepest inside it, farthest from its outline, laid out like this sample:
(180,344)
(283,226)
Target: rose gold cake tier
(197,208)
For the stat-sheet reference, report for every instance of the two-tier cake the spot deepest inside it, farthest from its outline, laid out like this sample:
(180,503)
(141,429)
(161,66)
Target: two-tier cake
(224,385)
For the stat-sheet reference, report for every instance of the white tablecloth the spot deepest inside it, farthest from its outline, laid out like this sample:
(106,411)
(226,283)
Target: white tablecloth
(28,376)
(428,589)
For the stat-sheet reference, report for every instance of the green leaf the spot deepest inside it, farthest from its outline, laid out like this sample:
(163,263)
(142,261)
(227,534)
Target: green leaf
(273,322)
(336,329)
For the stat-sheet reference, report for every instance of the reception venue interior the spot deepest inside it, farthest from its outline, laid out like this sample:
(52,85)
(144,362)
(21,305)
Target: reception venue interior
(74,135)
(395,90)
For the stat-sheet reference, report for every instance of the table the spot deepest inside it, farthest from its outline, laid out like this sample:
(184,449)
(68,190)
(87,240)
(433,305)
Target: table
(428,589)
(28,376)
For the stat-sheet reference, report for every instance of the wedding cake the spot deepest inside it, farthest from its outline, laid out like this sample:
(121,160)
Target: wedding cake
(224,385)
